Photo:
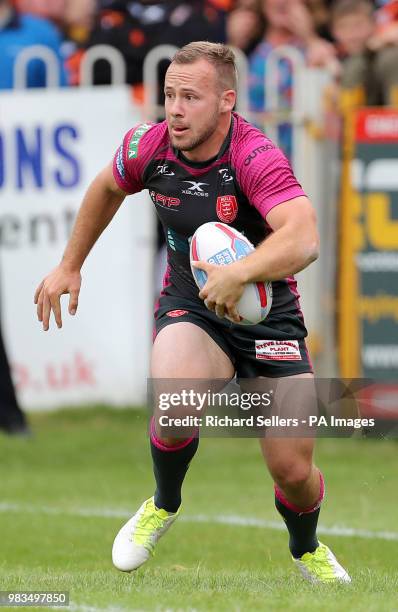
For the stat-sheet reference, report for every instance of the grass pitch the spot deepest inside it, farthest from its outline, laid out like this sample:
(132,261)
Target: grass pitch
(66,492)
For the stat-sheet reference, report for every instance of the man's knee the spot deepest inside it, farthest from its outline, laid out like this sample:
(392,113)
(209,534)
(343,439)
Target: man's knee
(291,474)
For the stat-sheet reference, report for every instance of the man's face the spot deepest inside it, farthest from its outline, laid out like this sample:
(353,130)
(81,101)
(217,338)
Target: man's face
(192,103)
(276,12)
(352,32)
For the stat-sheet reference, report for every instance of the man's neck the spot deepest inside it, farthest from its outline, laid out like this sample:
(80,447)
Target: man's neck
(212,146)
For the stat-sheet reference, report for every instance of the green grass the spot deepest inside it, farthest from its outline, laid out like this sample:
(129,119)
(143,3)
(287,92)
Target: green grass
(99,460)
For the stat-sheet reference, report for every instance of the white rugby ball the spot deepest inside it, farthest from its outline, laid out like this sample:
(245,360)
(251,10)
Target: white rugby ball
(221,244)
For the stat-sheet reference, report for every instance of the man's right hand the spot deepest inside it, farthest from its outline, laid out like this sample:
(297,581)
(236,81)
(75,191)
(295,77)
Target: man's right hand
(47,296)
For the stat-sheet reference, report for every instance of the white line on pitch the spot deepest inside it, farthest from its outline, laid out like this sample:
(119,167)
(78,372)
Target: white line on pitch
(220,519)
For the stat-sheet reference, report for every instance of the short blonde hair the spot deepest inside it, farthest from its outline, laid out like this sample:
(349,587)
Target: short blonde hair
(217,54)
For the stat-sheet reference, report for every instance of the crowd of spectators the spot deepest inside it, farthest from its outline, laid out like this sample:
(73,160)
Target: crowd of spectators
(356,40)
(329,33)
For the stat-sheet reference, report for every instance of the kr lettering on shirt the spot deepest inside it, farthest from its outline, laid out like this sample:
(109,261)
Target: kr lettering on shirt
(164,170)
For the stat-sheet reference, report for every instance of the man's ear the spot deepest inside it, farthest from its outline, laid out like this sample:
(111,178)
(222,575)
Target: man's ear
(228,99)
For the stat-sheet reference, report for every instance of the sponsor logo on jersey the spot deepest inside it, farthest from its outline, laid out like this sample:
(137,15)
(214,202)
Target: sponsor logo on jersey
(195,189)
(164,201)
(227,208)
(278,350)
(135,139)
(257,151)
(164,170)
(225,175)
(176,313)
(119,162)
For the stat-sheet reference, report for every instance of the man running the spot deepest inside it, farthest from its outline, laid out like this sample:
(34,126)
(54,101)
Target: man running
(206,163)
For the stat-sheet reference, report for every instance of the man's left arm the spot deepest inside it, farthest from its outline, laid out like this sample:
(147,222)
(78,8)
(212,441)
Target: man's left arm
(266,178)
(292,246)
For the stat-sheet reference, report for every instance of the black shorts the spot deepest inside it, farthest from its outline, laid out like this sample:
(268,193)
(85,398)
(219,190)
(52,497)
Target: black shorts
(273,348)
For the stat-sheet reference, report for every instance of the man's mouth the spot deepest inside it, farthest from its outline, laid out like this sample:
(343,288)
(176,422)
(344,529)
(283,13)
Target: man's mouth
(178,129)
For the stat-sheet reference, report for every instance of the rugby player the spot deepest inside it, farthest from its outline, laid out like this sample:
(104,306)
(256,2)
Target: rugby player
(206,163)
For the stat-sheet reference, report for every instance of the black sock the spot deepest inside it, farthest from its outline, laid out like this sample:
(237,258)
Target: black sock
(301,525)
(170,467)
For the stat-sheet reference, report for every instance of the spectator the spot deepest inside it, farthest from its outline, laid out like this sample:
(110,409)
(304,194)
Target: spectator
(387,25)
(245,27)
(370,70)
(19,31)
(12,419)
(53,10)
(134,28)
(288,22)
(320,12)
(73,17)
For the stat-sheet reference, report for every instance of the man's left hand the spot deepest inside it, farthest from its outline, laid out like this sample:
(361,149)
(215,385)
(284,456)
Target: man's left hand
(223,288)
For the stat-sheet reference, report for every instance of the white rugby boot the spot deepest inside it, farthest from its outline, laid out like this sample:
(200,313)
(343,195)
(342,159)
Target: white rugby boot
(321,566)
(136,540)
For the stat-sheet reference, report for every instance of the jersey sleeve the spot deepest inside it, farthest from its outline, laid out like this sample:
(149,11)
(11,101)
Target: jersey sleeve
(131,158)
(264,174)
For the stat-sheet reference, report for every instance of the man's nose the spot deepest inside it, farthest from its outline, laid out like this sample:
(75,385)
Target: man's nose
(176,108)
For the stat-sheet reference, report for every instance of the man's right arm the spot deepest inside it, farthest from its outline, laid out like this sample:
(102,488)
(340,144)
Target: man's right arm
(101,202)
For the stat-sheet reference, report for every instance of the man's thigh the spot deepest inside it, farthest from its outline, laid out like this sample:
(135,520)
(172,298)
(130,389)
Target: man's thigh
(186,364)
(184,350)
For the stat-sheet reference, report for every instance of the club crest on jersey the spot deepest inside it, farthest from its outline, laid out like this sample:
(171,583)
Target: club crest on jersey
(227,208)
(196,189)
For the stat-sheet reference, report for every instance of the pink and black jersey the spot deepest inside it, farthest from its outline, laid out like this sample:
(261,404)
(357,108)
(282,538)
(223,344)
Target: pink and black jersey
(247,178)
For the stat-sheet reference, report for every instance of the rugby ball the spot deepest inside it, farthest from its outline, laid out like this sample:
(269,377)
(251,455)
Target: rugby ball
(221,244)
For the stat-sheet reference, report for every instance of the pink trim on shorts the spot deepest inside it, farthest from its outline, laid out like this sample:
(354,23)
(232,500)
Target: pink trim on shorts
(165,283)
(155,440)
(280,497)
(292,285)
